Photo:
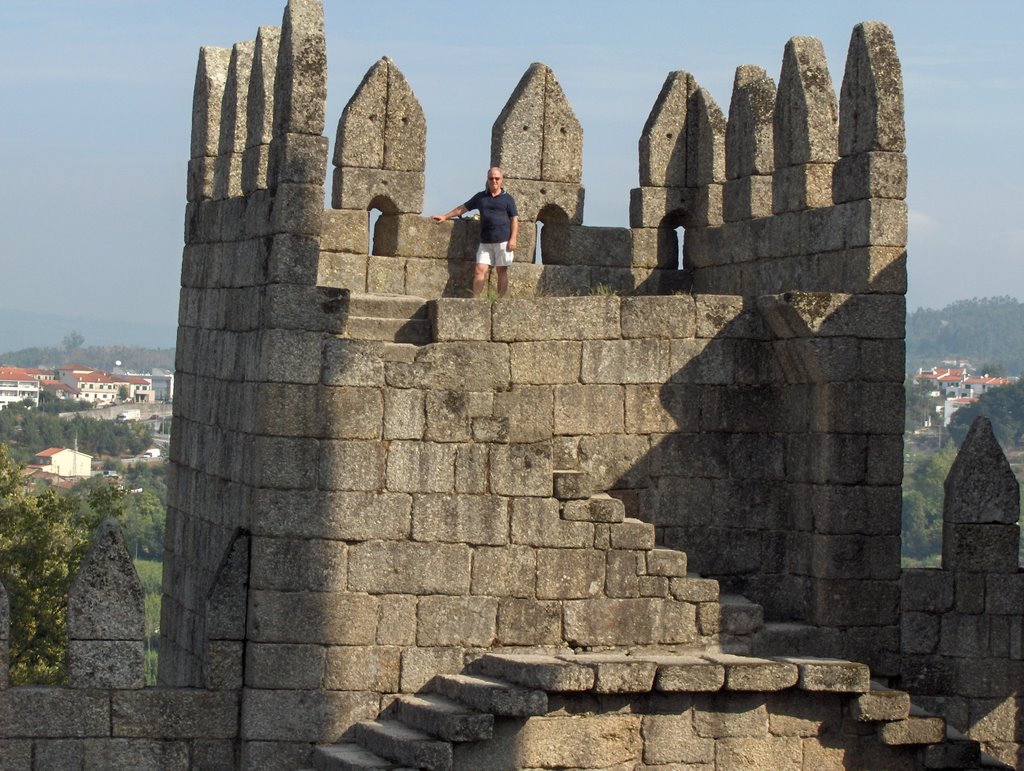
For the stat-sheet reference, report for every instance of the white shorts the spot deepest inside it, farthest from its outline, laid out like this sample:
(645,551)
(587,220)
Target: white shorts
(494,254)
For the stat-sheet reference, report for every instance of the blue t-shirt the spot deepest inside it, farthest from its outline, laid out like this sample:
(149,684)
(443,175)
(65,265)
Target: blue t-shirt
(496,213)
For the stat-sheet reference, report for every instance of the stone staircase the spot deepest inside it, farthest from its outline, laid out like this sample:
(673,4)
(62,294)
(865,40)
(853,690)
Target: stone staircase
(388,318)
(458,714)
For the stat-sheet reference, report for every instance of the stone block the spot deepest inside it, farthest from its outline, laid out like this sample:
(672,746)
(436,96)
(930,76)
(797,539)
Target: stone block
(532,196)
(980,548)
(536,522)
(527,412)
(919,632)
(458,319)
(834,675)
(471,461)
(731,715)
(651,207)
(396,567)
(632,534)
(880,704)
(362,668)
(672,317)
(556,318)
(298,565)
(397,625)
(588,409)
(345,231)
(747,198)
(600,741)
(666,562)
(619,673)
(656,247)
(338,618)
(352,465)
(773,752)
(870,175)
(569,574)
(384,275)
(504,572)
(456,621)
(284,666)
(135,753)
(580,244)
(805,186)
(472,519)
(661,408)
(164,713)
(529,622)
(106,663)
(622,574)
(361,188)
(876,222)
(350,413)
(616,461)
(319,717)
(670,739)
(643,621)
(913,730)
(745,673)
(466,365)
(420,665)
(421,467)
(353,363)
(625,361)
(545,362)
(355,516)
(404,415)
(521,469)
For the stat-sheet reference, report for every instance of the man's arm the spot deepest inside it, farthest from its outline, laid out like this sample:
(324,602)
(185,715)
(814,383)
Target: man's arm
(456,212)
(514,235)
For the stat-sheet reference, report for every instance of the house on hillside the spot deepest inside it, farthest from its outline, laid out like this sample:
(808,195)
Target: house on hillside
(63,462)
(100,387)
(957,388)
(18,384)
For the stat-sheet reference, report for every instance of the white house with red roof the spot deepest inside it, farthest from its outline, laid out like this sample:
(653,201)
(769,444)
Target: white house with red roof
(958,387)
(62,462)
(18,384)
(100,387)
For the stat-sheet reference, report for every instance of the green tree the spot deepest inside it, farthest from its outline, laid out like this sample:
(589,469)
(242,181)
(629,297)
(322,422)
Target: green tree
(43,538)
(923,495)
(1004,406)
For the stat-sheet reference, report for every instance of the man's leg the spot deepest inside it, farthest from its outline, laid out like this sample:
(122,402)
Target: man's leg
(502,281)
(479,278)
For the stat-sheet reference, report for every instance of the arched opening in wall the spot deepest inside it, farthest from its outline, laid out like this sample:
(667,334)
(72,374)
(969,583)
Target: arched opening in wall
(372,215)
(550,234)
(378,213)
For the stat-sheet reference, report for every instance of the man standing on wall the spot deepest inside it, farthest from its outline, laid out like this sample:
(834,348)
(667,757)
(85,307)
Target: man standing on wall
(499,227)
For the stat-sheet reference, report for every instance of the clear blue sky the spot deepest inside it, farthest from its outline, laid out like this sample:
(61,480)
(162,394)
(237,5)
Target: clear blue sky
(96,104)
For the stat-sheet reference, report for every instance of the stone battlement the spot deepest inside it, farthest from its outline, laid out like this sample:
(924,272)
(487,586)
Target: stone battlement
(679,438)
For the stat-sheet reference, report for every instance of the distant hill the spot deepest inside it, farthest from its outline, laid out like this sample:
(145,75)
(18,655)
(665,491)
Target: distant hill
(20,329)
(105,357)
(986,332)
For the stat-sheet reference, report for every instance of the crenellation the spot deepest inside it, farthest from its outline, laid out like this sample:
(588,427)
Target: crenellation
(375,481)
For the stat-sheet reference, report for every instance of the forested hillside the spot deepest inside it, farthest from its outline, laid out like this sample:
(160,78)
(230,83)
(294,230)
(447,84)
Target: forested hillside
(988,332)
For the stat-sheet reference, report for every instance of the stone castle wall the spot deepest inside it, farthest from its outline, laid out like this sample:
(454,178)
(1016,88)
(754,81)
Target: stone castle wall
(375,482)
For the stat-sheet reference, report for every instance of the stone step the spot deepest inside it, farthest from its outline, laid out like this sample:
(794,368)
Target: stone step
(387,306)
(913,730)
(404,744)
(958,751)
(347,756)
(546,673)
(487,694)
(747,673)
(416,331)
(794,639)
(740,616)
(880,704)
(449,720)
(601,508)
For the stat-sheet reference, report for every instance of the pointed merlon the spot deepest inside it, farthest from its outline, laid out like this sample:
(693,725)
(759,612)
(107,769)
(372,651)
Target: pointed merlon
(537,136)
(705,140)
(259,122)
(105,601)
(300,84)
(981,486)
(663,141)
(383,125)
(806,111)
(871,101)
(749,148)
(211,77)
